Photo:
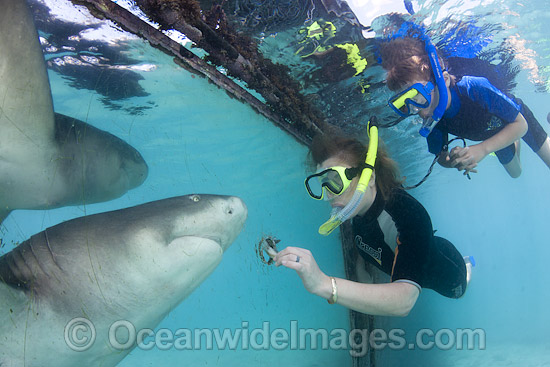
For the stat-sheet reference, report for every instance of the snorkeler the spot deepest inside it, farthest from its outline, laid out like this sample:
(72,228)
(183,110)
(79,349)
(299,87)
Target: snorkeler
(391,229)
(468,107)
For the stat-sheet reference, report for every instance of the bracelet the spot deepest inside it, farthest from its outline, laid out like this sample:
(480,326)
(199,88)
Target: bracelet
(334,296)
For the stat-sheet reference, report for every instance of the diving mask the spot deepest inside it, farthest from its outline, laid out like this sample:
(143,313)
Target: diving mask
(334,179)
(406,104)
(411,100)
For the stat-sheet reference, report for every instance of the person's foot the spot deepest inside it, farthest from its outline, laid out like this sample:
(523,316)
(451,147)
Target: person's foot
(470,263)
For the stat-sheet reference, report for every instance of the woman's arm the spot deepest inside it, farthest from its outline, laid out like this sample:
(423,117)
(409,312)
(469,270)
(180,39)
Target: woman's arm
(390,299)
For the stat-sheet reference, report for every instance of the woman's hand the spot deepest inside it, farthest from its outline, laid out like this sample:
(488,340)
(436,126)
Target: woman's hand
(315,281)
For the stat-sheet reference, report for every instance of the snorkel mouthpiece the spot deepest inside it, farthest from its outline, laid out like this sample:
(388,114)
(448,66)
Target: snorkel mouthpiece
(427,127)
(339,216)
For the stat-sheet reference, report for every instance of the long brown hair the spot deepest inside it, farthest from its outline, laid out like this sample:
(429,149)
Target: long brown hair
(353,152)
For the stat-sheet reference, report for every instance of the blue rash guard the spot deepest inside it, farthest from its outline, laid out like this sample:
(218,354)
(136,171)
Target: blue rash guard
(397,237)
(478,111)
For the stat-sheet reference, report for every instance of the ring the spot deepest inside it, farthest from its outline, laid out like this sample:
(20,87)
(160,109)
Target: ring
(297,258)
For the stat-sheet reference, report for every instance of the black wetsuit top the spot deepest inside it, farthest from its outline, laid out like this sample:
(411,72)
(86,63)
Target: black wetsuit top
(420,258)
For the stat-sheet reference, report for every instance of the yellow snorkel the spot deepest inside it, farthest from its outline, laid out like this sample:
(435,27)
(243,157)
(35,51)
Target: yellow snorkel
(372,131)
(338,216)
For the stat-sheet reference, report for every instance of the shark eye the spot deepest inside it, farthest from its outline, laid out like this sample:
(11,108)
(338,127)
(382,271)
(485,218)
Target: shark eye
(195,198)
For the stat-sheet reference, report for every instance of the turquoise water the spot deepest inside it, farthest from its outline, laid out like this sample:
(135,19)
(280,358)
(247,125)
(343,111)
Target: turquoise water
(196,139)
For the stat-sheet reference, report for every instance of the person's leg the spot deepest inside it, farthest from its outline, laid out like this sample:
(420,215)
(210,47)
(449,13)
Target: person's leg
(446,271)
(536,137)
(514,166)
(544,152)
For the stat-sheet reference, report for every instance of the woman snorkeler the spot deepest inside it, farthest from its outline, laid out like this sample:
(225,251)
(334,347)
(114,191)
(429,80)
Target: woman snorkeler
(391,229)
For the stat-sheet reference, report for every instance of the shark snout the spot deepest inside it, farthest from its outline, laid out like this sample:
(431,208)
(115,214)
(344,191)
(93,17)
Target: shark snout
(235,213)
(136,169)
(217,217)
(236,207)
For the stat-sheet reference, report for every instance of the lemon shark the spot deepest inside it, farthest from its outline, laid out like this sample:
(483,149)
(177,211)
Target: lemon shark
(132,265)
(50,160)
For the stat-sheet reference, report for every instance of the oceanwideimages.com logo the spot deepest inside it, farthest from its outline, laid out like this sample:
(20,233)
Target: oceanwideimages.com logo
(80,335)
